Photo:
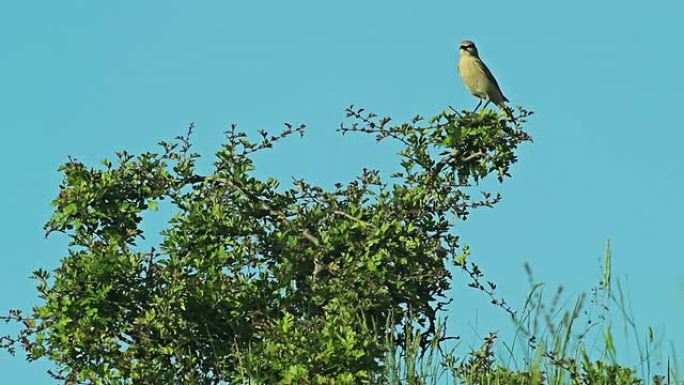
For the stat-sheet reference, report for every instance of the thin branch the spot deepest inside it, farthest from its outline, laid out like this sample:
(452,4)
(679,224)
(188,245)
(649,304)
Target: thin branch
(282,218)
(343,214)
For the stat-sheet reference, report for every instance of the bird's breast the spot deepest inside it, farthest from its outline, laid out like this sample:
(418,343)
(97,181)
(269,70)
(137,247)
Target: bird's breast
(471,74)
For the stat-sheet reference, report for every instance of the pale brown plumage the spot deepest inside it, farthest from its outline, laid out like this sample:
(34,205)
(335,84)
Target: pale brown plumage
(479,79)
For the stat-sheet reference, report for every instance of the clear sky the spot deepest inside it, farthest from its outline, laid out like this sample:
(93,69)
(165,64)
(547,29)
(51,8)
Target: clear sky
(89,78)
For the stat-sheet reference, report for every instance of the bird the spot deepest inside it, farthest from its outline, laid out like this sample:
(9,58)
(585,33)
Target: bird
(479,79)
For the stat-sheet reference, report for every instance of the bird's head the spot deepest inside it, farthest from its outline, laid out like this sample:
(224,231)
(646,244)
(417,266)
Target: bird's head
(468,48)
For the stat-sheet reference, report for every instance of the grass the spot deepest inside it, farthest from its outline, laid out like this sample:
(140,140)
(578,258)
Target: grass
(556,342)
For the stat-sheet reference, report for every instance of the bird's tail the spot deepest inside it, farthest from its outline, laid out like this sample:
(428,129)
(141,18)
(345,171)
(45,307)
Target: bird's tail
(508,111)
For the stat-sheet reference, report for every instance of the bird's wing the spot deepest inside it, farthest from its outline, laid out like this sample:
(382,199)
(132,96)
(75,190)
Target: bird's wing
(491,77)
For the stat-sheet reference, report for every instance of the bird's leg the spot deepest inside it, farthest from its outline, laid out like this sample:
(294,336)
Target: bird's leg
(486,104)
(479,103)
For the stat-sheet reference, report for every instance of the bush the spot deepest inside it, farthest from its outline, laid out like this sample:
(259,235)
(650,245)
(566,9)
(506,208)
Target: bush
(252,281)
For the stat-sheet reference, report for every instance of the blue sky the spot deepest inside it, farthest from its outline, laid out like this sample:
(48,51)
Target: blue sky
(89,78)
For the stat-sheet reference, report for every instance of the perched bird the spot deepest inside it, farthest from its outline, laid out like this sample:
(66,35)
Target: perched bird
(479,79)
